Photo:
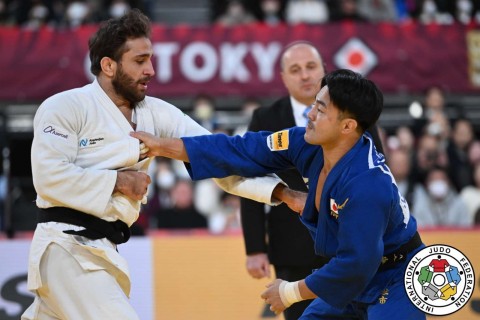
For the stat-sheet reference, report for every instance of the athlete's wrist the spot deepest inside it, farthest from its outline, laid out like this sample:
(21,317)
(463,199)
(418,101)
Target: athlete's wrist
(289,293)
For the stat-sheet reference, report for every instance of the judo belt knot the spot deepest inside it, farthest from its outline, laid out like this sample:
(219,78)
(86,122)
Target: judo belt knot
(95,228)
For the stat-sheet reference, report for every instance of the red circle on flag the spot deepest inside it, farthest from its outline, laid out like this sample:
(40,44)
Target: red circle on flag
(355,58)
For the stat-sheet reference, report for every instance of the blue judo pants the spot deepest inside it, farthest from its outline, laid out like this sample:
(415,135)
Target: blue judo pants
(396,306)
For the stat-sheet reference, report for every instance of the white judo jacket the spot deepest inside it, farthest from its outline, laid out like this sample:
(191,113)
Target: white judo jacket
(81,139)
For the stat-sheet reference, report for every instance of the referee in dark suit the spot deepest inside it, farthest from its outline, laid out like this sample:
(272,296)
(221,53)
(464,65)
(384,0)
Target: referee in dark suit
(275,235)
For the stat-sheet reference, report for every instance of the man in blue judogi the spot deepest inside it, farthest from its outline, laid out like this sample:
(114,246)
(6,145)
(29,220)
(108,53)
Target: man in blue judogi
(353,210)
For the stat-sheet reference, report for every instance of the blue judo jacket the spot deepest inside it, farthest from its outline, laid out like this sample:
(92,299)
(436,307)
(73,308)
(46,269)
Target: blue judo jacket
(362,216)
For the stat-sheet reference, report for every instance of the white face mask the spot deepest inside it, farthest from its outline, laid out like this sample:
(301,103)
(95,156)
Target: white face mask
(165,179)
(438,189)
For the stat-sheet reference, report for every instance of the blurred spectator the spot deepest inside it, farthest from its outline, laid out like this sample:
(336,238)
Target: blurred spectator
(471,194)
(159,197)
(307,11)
(377,10)
(235,14)
(248,107)
(3,11)
(38,15)
(402,139)
(78,13)
(221,209)
(399,162)
(474,153)
(433,113)
(428,155)
(271,12)
(439,11)
(345,10)
(203,111)
(182,214)
(438,125)
(405,9)
(464,11)
(406,139)
(460,168)
(118,8)
(436,203)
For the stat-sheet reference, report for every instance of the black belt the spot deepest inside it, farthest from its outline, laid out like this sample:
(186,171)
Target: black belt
(95,228)
(400,255)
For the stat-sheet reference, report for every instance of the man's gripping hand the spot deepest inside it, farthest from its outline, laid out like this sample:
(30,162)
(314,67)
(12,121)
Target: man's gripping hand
(133,184)
(281,294)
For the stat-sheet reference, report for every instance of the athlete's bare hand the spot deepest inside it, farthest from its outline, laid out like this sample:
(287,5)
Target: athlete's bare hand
(258,265)
(272,296)
(295,200)
(133,184)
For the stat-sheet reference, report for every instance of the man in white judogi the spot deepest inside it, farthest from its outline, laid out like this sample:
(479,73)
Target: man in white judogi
(90,182)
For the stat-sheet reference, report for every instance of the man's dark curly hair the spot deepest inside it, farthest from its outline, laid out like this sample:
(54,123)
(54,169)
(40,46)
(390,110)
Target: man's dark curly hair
(109,40)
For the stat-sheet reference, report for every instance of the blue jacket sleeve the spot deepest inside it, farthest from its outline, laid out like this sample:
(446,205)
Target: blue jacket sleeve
(219,155)
(362,222)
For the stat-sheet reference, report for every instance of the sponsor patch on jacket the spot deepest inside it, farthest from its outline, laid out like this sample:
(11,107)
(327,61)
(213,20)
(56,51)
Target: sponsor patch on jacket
(91,142)
(278,141)
(334,207)
(55,131)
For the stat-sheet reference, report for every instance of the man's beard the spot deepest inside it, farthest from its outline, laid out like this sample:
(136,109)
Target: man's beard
(125,86)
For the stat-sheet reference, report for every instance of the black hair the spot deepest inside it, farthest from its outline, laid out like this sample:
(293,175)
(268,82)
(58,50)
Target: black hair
(109,40)
(354,95)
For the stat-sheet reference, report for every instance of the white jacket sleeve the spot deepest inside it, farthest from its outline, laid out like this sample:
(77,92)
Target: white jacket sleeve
(176,124)
(259,189)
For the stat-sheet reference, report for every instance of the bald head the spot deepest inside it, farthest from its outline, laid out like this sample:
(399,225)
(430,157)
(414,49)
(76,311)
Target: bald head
(293,48)
(302,69)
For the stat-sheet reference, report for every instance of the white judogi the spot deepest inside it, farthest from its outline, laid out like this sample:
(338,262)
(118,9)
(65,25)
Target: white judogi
(81,139)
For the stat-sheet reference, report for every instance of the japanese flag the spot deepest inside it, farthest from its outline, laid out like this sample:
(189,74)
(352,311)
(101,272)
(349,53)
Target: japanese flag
(356,56)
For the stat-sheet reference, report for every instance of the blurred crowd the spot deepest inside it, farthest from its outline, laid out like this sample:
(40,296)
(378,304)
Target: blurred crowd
(324,11)
(33,14)
(73,13)
(436,163)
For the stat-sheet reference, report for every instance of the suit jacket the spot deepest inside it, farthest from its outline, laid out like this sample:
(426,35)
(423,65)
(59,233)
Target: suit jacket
(280,232)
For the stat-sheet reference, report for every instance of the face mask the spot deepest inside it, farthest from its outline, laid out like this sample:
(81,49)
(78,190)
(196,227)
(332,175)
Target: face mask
(438,189)
(165,179)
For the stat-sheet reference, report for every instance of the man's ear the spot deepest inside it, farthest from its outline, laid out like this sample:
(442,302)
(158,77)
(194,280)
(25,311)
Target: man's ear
(349,125)
(108,66)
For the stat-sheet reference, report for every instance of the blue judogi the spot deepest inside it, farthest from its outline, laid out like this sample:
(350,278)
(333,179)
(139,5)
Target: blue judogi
(362,216)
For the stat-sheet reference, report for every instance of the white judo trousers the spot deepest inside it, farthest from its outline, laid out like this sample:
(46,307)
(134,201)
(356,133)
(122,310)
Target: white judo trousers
(80,283)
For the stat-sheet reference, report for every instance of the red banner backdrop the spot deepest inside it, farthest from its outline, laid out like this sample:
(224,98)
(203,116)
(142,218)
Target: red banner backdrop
(243,60)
